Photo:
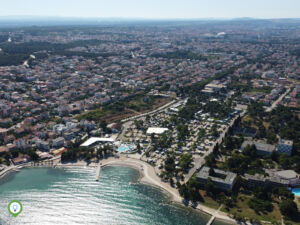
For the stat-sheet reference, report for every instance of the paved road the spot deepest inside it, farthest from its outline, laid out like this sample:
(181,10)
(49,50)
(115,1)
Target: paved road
(150,113)
(201,161)
(274,105)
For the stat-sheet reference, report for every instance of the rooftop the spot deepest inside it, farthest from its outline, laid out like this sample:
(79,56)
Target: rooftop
(287,174)
(229,176)
(285,142)
(94,140)
(156,130)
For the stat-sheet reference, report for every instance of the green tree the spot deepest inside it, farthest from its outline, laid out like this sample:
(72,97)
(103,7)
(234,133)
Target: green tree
(289,209)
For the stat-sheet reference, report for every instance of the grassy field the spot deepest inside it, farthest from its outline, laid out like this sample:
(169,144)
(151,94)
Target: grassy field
(118,111)
(242,209)
(208,201)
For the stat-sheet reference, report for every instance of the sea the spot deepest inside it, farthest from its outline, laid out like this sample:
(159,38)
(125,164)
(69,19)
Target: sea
(73,196)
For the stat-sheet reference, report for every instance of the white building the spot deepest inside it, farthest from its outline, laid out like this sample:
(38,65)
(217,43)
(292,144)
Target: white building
(94,140)
(156,130)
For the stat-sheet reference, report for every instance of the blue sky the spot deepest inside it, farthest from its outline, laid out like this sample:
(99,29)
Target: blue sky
(153,8)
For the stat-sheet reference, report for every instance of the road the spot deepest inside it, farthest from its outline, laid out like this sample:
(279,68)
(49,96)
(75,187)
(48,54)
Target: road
(128,121)
(274,105)
(199,162)
(150,113)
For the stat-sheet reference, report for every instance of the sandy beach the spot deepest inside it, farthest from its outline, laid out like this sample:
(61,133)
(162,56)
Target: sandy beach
(147,176)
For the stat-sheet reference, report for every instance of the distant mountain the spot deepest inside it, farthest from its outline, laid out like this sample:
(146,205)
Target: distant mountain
(20,21)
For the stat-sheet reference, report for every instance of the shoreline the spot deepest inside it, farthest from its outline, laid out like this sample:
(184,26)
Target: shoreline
(147,176)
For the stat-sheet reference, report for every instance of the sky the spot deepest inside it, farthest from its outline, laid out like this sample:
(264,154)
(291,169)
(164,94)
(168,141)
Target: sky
(153,9)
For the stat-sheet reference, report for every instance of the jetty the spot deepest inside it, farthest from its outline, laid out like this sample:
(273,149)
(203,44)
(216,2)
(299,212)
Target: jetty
(213,217)
(98,172)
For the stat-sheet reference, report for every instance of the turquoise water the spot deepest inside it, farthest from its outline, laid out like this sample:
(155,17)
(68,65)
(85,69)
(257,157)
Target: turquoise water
(72,196)
(296,191)
(124,148)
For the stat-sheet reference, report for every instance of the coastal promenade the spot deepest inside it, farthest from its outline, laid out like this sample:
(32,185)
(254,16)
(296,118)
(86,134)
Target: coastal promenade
(212,219)
(45,163)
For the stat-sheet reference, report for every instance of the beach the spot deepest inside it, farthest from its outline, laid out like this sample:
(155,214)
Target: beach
(147,176)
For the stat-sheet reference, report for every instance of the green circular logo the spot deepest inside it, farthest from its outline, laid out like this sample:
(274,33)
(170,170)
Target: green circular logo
(15,208)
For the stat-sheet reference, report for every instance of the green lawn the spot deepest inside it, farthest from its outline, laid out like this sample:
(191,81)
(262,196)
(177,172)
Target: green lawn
(242,209)
(208,201)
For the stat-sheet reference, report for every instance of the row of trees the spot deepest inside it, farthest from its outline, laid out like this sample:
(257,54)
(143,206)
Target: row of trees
(76,153)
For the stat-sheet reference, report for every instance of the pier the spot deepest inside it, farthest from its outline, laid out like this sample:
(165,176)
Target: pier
(213,217)
(98,172)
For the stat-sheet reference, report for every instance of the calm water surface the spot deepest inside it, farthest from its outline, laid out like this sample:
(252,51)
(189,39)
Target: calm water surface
(72,196)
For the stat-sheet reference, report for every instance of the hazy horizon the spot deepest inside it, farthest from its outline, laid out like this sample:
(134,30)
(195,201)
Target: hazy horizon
(154,9)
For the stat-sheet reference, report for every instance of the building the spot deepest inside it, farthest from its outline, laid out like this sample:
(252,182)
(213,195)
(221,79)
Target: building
(156,130)
(3,150)
(94,140)
(222,179)
(58,152)
(262,148)
(289,175)
(285,146)
(58,142)
(261,180)
(42,145)
(21,159)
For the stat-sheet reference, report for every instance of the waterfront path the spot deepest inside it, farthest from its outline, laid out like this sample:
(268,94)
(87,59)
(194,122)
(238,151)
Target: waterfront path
(213,217)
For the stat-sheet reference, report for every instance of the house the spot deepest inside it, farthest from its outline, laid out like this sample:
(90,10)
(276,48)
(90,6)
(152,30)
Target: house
(3,150)
(9,139)
(222,179)
(69,135)
(285,146)
(3,132)
(21,143)
(21,159)
(45,155)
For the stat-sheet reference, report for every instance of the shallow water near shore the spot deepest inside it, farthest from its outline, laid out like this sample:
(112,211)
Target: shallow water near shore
(72,196)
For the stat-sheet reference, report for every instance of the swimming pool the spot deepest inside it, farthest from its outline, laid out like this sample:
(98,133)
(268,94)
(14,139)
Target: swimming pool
(126,148)
(296,191)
